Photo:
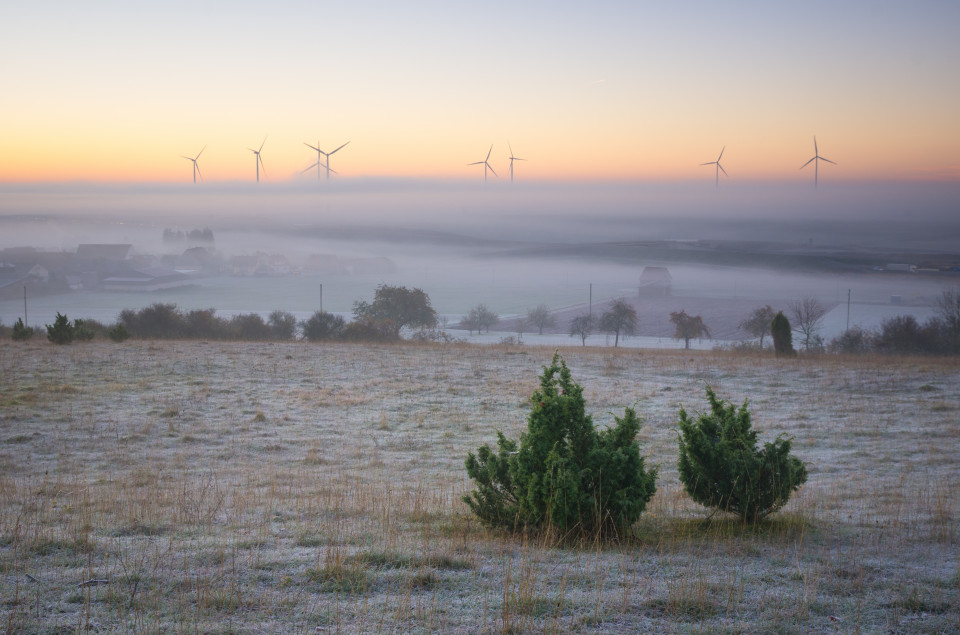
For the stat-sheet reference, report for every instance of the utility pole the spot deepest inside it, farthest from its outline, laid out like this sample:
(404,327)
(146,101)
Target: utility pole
(591,300)
(848,309)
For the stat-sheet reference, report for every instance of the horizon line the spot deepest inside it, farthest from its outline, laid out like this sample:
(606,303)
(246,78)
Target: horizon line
(453,180)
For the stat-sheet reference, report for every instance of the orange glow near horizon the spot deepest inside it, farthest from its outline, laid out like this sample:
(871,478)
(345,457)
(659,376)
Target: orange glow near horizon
(97,94)
(124,159)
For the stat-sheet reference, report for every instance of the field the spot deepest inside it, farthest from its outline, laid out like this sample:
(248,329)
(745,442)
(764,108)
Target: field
(193,487)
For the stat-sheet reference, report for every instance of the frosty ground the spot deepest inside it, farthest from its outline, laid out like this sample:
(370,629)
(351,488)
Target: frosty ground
(298,488)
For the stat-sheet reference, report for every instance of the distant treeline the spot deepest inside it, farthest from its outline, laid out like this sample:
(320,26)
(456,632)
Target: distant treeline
(166,321)
(396,309)
(902,335)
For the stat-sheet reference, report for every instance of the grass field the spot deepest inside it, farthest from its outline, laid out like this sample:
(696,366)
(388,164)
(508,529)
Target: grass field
(191,487)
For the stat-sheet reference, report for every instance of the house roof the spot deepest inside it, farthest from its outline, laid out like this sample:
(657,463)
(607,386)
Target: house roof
(652,275)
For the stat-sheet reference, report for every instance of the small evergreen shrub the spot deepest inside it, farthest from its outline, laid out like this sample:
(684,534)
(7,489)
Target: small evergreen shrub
(21,333)
(721,467)
(782,335)
(119,333)
(85,330)
(61,331)
(563,475)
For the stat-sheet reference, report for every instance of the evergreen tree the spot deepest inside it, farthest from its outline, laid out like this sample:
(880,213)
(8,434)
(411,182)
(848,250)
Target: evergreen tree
(564,474)
(119,333)
(721,467)
(61,331)
(782,335)
(21,333)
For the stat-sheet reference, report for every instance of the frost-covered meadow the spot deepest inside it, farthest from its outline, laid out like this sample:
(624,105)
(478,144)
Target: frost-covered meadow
(297,488)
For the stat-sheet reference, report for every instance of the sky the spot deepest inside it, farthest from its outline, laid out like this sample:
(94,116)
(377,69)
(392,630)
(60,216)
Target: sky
(105,92)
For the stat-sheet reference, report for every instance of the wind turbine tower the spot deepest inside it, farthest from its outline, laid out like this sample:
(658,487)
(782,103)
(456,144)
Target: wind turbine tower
(320,163)
(816,163)
(258,161)
(719,167)
(512,159)
(196,168)
(486,164)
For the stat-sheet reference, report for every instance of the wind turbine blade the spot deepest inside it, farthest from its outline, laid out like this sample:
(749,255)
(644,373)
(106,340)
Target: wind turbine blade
(488,152)
(197,168)
(261,146)
(477,163)
(312,166)
(310,146)
(187,158)
(828,160)
(708,163)
(491,169)
(815,151)
(721,153)
(201,152)
(722,170)
(511,149)
(338,148)
(808,163)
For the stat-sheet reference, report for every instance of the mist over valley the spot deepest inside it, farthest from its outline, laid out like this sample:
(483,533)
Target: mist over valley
(509,247)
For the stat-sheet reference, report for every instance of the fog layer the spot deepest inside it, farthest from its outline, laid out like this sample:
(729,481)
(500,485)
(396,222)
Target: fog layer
(509,246)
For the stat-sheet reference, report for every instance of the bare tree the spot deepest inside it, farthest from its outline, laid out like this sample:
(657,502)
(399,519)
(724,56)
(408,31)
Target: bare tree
(541,318)
(688,327)
(469,322)
(807,315)
(582,326)
(322,325)
(621,318)
(947,309)
(481,318)
(521,327)
(283,324)
(758,322)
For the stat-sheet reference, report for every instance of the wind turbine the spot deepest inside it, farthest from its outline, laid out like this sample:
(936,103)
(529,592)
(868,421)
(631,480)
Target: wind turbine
(816,162)
(719,167)
(512,159)
(196,168)
(258,161)
(326,154)
(486,164)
